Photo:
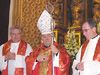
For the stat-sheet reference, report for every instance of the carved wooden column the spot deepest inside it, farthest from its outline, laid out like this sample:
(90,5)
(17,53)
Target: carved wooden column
(96,13)
(58,16)
(77,7)
(96,10)
(65,13)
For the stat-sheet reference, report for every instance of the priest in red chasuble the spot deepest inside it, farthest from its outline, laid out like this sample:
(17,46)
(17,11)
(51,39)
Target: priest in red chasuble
(87,60)
(13,53)
(48,58)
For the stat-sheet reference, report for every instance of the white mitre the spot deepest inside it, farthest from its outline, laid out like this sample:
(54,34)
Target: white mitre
(45,23)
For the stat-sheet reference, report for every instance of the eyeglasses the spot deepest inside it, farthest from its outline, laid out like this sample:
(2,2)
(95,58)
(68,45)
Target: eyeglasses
(85,30)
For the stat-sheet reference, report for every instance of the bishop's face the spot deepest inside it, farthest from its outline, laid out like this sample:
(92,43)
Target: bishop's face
(47,39)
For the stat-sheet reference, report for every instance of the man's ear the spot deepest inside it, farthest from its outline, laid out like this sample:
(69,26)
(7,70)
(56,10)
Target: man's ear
(41,41)
(94,29)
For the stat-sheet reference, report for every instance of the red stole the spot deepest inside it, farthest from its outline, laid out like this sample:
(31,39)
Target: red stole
(21,51)
(97,50)
(56,70)
(83,48)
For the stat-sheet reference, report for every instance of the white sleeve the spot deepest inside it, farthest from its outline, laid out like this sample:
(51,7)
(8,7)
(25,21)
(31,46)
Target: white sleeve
(20,61)
(92,67)
(75,62)
(35,63)
(3,63)
(28,50)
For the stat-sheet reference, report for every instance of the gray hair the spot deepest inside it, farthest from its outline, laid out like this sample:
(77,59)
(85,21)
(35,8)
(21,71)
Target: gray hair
(15,27)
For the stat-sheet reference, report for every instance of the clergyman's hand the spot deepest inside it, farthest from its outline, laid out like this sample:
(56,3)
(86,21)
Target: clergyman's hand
(80,66)
(10,56)
(54,49)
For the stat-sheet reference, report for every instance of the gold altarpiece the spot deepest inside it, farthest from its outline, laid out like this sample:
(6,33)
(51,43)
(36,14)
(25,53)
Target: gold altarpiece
(96,12)
(78,11)
(68,14)
(26,14)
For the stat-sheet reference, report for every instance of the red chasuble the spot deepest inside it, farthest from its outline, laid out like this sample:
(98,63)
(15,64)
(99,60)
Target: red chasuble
(45,68)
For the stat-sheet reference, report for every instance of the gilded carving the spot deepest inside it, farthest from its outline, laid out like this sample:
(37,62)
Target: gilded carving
(26,14)
(77,12)
(96,11)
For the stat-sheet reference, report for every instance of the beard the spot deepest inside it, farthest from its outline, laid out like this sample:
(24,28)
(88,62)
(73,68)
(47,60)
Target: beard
(47,45)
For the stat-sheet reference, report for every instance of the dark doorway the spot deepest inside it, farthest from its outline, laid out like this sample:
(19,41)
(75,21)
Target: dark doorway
(4,20)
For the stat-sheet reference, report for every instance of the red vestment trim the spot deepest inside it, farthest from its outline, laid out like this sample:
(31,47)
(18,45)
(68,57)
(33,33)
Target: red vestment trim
(21,51)
(97,50)
(83,48)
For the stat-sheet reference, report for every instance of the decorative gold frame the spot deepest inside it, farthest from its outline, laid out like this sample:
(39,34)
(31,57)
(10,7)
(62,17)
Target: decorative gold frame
(78,38)
(56,35)
(98,28)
